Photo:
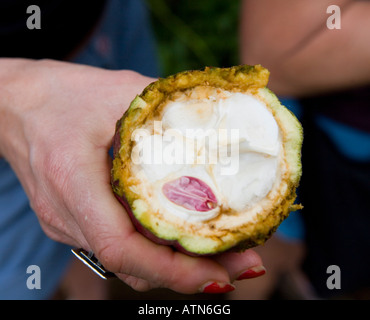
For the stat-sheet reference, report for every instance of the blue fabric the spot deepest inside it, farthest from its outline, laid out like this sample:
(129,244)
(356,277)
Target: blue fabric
(292,228)
(293,105)
(351,142)
(123,40)
(23,243)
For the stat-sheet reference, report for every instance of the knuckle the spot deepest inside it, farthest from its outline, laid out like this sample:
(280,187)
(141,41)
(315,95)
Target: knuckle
(40,207)
(115,255)
(58,165)
(110,256)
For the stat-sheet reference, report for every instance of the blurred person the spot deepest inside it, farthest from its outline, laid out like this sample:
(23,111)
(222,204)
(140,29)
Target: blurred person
(327,71)
(57,120)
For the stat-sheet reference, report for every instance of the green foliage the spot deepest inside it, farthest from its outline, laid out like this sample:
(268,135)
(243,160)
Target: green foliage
(192,34)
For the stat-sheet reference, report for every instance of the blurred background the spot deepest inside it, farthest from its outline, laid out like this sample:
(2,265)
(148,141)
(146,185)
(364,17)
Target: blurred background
(193,34)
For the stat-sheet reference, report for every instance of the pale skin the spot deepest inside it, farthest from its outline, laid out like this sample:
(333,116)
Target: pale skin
(57,121)
(292,40)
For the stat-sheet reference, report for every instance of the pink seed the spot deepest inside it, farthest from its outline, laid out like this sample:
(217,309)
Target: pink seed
(190,193)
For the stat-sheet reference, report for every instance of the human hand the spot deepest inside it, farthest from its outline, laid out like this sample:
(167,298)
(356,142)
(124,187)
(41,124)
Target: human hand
(56,127)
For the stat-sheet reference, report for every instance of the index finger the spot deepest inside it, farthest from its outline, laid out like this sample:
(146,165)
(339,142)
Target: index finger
(121,249)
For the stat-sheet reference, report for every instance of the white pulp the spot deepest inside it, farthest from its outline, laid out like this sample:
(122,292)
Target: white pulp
(240,176)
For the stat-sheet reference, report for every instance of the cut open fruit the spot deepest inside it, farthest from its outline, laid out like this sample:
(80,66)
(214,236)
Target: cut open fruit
(208,160)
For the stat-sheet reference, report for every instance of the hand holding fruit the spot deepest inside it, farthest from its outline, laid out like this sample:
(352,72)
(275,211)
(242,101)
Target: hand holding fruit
(56,127)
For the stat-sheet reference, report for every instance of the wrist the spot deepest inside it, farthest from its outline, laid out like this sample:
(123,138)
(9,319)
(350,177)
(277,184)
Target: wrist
(11,89)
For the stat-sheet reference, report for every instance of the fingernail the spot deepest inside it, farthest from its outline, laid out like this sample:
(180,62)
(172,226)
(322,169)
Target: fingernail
(216,287)
(253,272)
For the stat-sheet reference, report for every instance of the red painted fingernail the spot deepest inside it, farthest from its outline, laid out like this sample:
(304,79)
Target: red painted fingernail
(253,272)
(217,287)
